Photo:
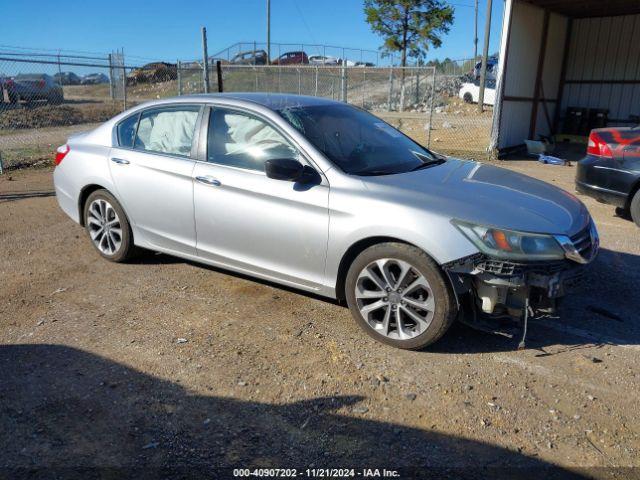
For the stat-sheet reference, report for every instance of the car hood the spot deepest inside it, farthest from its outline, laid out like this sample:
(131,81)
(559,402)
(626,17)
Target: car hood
(487,195)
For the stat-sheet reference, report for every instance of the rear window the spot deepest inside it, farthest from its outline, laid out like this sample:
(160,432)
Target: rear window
(167,130)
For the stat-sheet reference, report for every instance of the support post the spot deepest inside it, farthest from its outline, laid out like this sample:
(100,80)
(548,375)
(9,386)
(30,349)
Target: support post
(431,103)
(537,87)
(475,34)
(179,77)
(205,61)
(485,57)
(563,75)
(268,32)
(1,164)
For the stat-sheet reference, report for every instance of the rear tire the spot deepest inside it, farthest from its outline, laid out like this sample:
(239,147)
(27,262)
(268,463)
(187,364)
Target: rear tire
(108,227)
(634,208)
(414,304)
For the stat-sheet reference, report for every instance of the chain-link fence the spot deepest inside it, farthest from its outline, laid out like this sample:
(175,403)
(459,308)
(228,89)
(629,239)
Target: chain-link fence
(426,103)
(46,96)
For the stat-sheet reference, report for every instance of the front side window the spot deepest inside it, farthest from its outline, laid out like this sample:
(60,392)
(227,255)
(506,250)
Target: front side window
(244,141)
(356,141)
(167,130)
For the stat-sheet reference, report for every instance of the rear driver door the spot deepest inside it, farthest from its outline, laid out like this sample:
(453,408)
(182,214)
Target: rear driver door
(152,170)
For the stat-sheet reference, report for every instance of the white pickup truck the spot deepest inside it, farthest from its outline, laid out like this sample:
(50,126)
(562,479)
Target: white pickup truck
(470,92)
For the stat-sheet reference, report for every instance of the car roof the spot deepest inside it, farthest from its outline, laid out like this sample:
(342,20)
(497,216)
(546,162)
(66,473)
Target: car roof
(273,101)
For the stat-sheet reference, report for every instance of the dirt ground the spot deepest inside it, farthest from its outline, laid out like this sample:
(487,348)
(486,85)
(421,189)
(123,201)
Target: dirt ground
(165,365)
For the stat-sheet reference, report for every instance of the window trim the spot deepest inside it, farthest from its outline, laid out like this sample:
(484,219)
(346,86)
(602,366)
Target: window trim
(117,128)
(195,142)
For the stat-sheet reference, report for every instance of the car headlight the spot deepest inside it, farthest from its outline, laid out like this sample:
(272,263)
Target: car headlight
(512,245)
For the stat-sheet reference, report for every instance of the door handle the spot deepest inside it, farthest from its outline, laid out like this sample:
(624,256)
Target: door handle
(120,161)
(207,180)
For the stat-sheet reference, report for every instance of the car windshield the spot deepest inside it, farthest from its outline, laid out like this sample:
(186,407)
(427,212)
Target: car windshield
(356,141)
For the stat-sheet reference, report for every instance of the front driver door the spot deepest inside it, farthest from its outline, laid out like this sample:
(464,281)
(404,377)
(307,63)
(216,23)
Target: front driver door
(272,228)
(152,170)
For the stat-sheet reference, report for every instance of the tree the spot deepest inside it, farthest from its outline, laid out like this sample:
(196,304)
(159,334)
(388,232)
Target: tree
(409,26)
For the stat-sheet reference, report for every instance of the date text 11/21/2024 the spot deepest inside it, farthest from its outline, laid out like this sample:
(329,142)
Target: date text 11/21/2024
(316,473)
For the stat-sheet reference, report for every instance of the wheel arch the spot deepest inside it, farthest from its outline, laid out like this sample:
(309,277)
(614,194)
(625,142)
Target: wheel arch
(356,249)
(84,194)
(635,187)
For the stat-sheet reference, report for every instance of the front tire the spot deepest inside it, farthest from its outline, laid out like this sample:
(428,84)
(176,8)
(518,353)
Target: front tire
(468,98)
(399,296)
(634,208)
(108,227)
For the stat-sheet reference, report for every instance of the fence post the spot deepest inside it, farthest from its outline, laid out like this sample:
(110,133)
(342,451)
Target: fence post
(299,81)
(364,84)
(205,60)
(417,86)
(179,77)
(390,88)
(59,69)
(124,82)
(112,86)
(431,102)
(316,87)
(219,72)
(343,84)
(1,164)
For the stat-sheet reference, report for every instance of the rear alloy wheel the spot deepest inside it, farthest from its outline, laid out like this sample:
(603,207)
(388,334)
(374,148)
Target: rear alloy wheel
(108,227)
(634,208)
(398,295)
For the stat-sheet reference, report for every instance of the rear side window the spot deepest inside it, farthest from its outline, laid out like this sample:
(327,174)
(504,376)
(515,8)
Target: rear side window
(167,130)
(127,131)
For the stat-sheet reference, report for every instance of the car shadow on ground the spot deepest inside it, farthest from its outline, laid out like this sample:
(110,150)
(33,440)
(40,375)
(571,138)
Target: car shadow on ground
(603,311)
(69,413)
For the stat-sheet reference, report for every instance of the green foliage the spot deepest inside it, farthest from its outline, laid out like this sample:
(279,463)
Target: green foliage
(409,26)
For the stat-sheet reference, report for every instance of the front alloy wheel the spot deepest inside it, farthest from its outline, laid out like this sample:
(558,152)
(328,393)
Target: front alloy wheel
(399,296)
(395,299)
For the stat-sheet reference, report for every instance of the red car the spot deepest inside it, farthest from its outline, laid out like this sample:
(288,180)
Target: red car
(291,58)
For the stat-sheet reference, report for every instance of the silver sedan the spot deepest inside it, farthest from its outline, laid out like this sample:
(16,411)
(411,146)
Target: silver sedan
(327,198)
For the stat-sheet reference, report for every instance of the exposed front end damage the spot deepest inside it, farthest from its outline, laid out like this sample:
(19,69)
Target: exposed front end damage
(491,290)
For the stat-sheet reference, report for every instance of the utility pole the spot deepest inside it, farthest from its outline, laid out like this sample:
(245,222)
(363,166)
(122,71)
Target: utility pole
(485,57)
(268,31)
(475,34)
(205,61)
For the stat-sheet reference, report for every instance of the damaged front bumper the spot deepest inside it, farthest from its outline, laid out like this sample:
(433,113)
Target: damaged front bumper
(499,287)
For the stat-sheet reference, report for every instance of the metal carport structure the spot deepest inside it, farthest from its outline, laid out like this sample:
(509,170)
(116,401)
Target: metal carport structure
(560,56)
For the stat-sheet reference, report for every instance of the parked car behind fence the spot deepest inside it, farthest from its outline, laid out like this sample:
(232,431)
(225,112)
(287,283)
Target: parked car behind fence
(33,87)
(67,78)
(291,58)
(251,57)
(94,79)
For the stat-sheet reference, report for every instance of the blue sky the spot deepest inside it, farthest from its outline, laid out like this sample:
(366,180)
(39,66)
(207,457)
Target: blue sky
(170,30)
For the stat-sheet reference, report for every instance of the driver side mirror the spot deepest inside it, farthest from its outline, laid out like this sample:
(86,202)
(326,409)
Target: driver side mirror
(284,169)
